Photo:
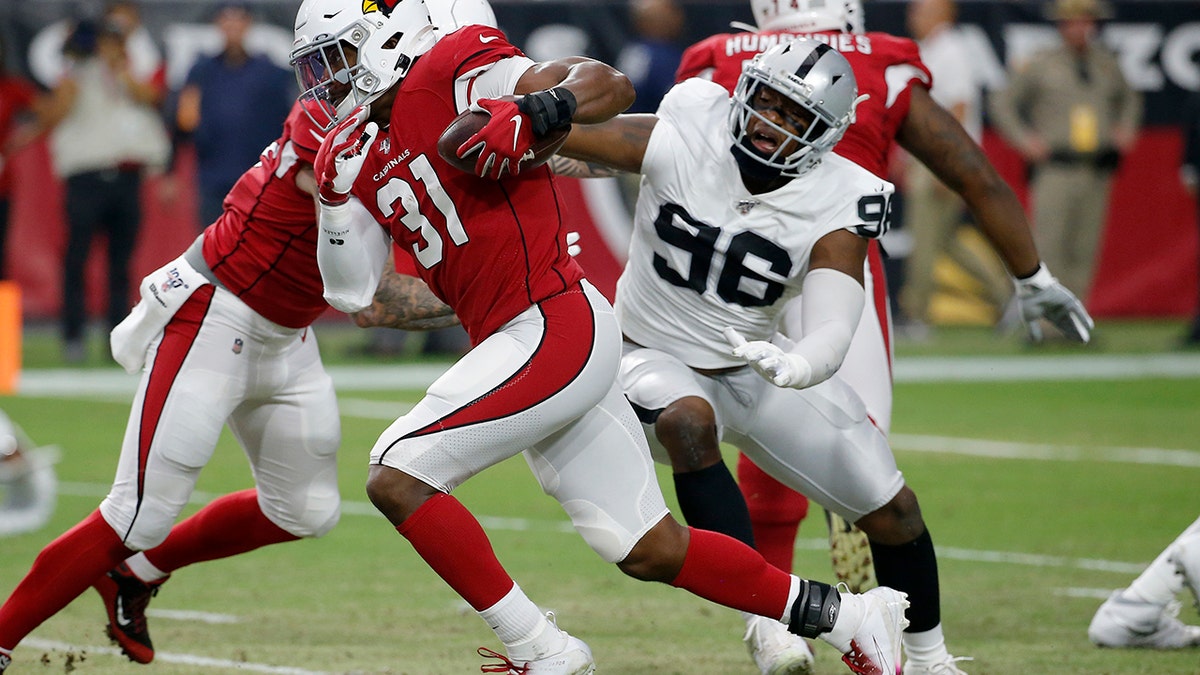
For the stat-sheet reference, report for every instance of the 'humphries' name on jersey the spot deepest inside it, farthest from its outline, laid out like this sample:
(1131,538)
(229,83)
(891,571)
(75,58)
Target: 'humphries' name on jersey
(749,44)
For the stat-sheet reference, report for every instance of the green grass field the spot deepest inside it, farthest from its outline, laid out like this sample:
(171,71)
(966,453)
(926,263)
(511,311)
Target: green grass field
(1042,495)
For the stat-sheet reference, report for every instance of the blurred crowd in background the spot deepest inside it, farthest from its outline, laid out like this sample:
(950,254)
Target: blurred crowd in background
(126,124)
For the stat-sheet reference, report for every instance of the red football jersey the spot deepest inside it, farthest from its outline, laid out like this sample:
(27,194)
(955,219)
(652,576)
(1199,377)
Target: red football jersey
(885,67)
(16,96)
(263,248)
(489,249)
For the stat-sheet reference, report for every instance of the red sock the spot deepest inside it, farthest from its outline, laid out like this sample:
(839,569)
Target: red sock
(452,542)
(228,526)
(728,572)
(61,572)
(775,513)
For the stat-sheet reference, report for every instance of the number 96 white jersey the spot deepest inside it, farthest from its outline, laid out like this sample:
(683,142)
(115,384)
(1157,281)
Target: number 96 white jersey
(706,253)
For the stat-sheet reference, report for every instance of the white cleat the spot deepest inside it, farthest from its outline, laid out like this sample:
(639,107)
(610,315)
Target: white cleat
(776,651)
(1128,623)
(946,667)
(575,658)
(875,647)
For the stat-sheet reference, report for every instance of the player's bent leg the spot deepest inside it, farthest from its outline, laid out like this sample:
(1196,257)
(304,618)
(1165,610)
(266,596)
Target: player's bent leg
(451,541)
(905,560)
(776,512)
(708,495)
(62,571)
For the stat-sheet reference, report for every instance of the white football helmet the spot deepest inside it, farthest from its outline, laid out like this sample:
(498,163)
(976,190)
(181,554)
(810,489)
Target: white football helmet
(348,52)
(450,15)
(813,75)
(808,15)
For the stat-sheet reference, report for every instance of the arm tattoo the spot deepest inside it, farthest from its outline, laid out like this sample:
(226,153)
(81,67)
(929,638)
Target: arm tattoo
(577,168)
(407,303)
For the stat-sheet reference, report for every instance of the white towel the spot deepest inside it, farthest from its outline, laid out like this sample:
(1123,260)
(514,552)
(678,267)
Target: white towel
(163,292)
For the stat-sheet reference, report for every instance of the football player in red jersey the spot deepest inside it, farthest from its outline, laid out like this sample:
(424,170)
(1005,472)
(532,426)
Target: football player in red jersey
(899,109)
(222,337)
(228,343)
(540,378)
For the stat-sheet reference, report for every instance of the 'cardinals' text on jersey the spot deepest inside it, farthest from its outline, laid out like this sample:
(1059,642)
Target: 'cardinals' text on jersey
(487,248)
(263,248)
(706,253)
(884,65)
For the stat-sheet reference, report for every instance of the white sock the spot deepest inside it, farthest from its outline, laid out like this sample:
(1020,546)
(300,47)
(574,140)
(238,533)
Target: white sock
(927,646)
(1162,580)
(518,623)
(849,618)
(143,569)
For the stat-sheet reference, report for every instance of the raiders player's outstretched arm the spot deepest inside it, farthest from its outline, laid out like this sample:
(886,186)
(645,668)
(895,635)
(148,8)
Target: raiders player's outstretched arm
(619,143)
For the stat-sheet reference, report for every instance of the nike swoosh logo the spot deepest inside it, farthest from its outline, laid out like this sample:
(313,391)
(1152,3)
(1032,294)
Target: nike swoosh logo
(488,38)
(516,120)
(122,620)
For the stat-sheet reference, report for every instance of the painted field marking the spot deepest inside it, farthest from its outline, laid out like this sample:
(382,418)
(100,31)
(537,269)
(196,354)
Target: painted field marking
(496,523)
(187,615)
(172,657)
(77,383)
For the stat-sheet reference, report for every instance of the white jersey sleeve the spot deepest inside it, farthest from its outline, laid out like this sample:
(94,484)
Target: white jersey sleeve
(496,80)
(707,254)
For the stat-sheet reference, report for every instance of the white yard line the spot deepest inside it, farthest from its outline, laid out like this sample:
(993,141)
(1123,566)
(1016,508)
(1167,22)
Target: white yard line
(171,657)
(115,382)
(1044,451)
(187,615)
(495,523)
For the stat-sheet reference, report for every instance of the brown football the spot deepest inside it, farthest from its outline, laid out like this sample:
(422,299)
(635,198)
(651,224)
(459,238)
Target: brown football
(469,122)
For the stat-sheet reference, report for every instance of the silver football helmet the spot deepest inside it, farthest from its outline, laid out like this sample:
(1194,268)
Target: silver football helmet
(814,76)
(808,15)
(348,52)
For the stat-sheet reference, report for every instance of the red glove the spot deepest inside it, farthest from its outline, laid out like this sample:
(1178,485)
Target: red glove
(502,142)
(341,157)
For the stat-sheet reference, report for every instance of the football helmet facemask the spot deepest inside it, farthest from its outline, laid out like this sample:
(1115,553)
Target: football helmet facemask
(347,53)
(808,15)
(810,74)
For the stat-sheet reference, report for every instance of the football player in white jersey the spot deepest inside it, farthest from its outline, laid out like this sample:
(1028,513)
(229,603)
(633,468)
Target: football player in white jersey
(723,238)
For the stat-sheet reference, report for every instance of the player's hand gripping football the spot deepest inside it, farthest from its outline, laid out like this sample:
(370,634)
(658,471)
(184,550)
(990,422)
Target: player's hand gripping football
(341,157)
(502,142)
(777,366)
(1041,296)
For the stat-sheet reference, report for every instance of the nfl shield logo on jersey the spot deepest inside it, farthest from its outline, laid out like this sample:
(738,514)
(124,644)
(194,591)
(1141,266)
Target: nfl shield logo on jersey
(744,205)
(237,345)
(385,146)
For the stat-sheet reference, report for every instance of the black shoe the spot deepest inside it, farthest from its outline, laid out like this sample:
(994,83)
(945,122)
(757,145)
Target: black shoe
(125,598)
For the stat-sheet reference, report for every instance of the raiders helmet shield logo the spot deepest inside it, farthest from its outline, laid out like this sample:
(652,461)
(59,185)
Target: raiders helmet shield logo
(744,205)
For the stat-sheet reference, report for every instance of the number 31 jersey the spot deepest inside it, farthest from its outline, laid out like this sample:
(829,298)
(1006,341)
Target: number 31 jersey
(706,253)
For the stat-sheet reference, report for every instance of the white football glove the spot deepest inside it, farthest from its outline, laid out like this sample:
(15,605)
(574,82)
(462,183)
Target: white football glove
(775,365)
(573,247)
(1041,296)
